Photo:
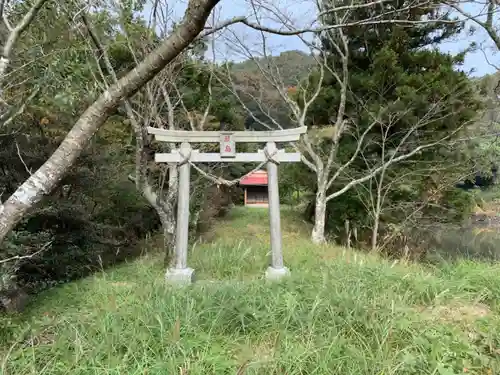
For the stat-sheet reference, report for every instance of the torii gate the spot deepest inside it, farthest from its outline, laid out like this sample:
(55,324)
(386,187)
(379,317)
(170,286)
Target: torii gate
(180,272)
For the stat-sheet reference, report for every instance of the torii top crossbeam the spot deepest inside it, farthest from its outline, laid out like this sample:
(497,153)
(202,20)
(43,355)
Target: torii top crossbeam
(178,136)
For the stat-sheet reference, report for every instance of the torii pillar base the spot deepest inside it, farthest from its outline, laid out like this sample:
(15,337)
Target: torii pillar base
(276,274)
(179,276)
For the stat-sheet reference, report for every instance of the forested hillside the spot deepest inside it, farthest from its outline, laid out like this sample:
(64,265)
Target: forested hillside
(291,68)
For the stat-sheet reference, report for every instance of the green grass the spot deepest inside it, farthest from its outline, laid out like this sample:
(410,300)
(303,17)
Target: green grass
(340,312)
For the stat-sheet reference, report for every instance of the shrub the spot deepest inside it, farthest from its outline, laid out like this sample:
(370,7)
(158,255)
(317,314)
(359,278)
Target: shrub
(15,250)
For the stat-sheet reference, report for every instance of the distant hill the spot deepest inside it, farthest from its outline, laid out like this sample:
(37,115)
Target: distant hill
(291,66)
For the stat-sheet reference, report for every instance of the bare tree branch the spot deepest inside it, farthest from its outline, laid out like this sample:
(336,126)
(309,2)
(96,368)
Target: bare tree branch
(487,24)
(14,33)
(21,257)
(377,20)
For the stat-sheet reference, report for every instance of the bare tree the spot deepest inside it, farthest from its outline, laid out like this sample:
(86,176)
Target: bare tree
(140,118)
(14,31)
(45,179)
(483,17)
(375,193)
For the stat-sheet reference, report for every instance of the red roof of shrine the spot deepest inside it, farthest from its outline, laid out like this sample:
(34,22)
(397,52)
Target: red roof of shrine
(255,178)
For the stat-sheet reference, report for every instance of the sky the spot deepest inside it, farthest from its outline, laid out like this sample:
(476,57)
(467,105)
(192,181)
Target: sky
(301,13)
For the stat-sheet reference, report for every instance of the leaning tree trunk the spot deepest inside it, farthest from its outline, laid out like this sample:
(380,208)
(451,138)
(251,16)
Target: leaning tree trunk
(46,178)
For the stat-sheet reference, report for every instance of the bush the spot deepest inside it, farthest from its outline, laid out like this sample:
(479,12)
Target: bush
(460,204)
(399,233)
(69,244)
(20,244)
(214,203)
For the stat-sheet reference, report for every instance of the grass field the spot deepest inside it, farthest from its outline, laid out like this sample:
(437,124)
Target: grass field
(340,312)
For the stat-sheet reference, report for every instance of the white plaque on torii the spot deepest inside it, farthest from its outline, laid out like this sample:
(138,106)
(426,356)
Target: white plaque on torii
(179,272)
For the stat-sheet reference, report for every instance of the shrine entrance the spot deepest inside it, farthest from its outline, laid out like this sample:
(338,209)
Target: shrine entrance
(186,156)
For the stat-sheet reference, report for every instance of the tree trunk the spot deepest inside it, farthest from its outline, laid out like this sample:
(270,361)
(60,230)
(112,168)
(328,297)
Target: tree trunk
(375,232)
(377,210)
(318,233)
(171,198)
(171,217)
(165,208)
(46,178)
(168,235)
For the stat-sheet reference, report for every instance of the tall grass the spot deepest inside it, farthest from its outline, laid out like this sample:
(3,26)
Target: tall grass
(340,312)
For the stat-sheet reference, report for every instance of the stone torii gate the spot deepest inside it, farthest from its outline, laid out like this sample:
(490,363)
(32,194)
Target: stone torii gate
(271,155)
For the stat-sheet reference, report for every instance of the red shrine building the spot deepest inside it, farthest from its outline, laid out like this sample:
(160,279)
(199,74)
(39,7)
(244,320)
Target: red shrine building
(255,187)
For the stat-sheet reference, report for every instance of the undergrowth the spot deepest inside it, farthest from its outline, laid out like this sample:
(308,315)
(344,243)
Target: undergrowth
(341,312)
